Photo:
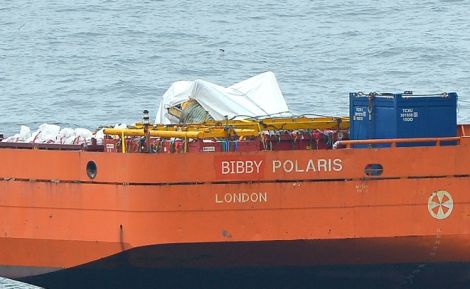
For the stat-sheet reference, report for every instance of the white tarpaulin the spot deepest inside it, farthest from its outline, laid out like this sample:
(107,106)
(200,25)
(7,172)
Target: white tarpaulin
(258,96)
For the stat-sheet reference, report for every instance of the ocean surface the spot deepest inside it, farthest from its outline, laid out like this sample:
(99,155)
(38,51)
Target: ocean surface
(90,63)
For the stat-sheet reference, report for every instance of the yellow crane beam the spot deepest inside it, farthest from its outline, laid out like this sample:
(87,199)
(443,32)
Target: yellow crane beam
(207,133)
(227,128)
(294,123)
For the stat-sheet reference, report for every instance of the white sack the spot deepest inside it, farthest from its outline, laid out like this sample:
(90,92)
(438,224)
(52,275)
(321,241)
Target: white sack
(99,136)
(66,136)
(25,133)
(46,133)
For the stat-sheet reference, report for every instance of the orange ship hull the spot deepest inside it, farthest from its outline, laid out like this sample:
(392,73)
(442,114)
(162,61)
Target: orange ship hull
(239,212)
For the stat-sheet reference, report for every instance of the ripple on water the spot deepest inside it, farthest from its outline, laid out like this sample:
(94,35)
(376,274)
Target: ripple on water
(96,62)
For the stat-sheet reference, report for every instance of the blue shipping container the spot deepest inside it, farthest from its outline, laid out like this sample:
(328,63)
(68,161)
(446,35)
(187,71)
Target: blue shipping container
(381,116)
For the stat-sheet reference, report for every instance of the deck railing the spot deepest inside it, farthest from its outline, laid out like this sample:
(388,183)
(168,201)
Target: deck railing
(394,141)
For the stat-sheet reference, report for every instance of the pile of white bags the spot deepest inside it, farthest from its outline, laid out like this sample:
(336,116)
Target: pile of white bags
(52,134)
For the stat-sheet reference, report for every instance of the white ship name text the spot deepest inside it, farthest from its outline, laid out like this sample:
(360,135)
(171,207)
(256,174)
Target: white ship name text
(241,198)
(319,165)
(240,167)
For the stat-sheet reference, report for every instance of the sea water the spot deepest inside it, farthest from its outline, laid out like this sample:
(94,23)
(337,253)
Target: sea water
(91,63)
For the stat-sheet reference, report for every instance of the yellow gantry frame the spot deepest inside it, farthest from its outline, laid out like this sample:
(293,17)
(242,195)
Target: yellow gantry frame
(206,133)
(226,128)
